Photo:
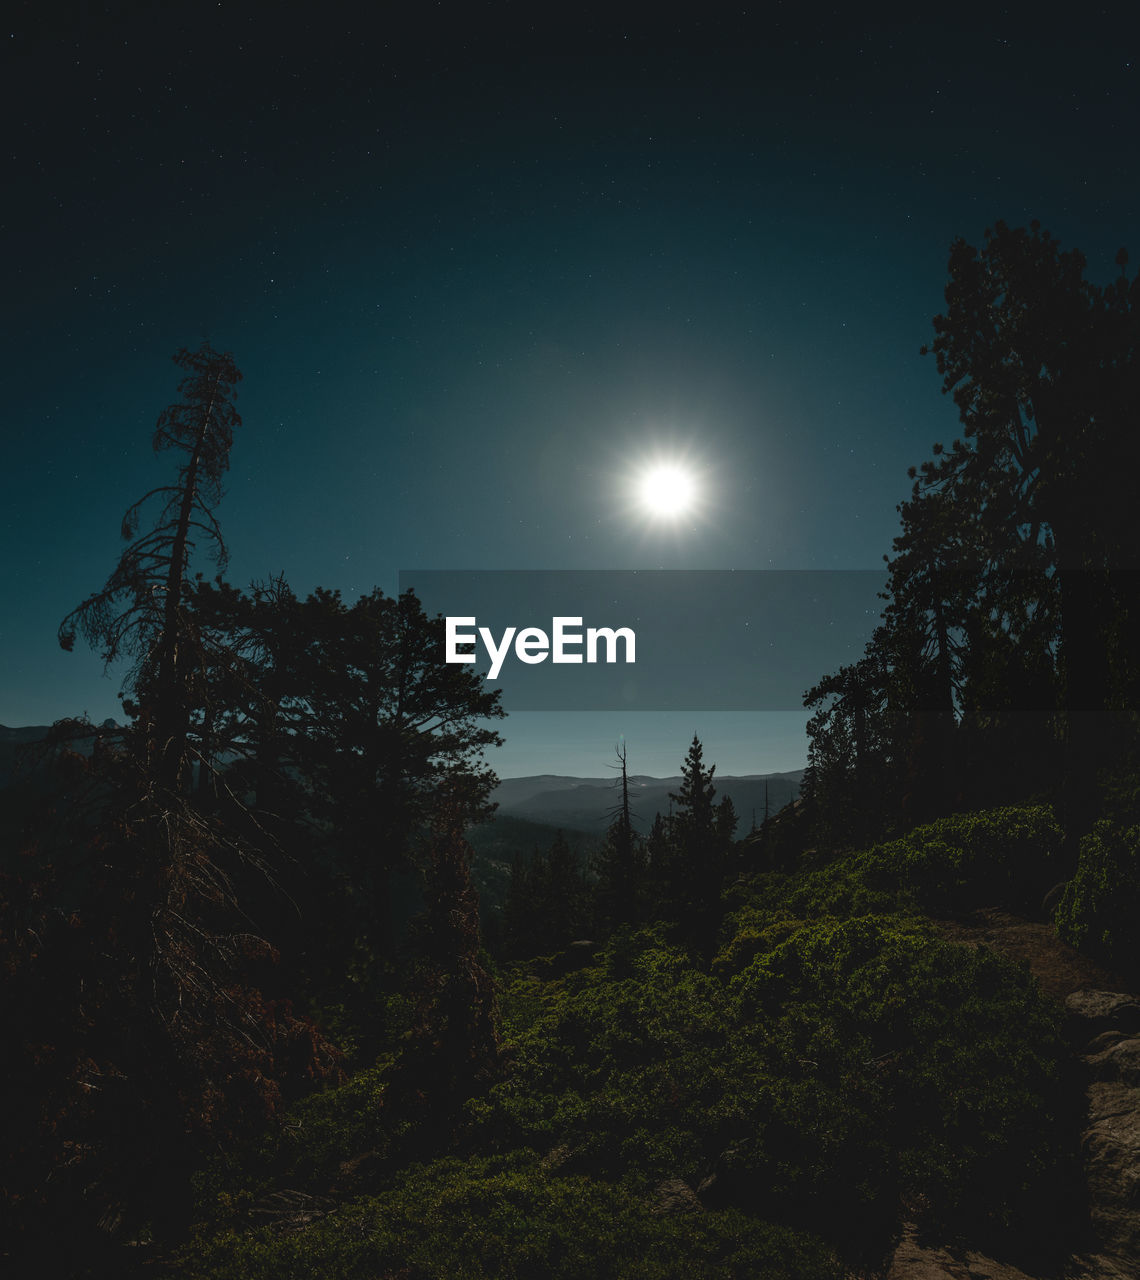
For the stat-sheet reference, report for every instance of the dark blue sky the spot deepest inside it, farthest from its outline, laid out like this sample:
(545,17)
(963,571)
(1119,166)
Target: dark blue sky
(477,266)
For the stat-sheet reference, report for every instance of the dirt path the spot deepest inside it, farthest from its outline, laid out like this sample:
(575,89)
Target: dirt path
(1057,967)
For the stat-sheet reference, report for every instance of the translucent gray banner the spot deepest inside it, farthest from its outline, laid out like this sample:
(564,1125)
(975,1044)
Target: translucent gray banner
(652,640)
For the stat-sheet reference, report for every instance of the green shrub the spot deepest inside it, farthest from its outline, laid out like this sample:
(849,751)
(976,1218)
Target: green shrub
(305,1150)
(846,1064)
(998,857)
(622,1063)
(509,1219)
(828,1073)
(949,1056)
(1101,904)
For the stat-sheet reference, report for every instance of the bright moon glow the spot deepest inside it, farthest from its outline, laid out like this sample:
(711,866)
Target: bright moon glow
(667,490)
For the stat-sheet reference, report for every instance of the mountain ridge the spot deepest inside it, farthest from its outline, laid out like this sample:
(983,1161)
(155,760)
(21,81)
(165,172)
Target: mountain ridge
(588,804)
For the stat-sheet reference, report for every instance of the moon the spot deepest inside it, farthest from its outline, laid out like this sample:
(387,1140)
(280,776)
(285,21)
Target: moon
(667,489)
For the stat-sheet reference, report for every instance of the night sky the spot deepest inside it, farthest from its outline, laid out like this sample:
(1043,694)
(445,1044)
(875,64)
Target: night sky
(480,267)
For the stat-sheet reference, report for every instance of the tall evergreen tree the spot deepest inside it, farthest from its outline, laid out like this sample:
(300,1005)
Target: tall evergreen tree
(453,1050)
(564,892)
(149,999)
(1014,550)
(546,904)
(857,739)
(140,611)
(1044,369)
(700,834)
(349,726)
(658,860)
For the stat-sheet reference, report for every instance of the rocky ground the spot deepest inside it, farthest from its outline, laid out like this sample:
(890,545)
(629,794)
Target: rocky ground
(1103,1026)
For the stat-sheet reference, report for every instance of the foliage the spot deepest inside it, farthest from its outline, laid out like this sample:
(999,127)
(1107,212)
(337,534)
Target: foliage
(1010,627)
(999,857)
(546,904)
(612,1061)
(140,610)
(858,1063)
(350,712)
(835,1067)
(1042,366)
(147,1028)
(345,727)
(453,1048)
(839,1062)
(305,1148)
(498,1218)
(691,864)
(1101,904)
(938,1063)
(142,1030)
(677,873)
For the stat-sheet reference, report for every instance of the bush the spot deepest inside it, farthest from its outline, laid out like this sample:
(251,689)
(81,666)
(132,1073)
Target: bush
(509,1219)
(305,1150)
(845,1064)
(1001,857)
(621,1063)
(948,1057)
(829,1074)
(1099,909)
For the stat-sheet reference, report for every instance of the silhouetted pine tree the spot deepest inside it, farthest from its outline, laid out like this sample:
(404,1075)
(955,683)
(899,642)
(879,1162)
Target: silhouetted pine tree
(453,1051)
(1045,369)
(700,835)
(564,893)
(349,722)
(545,908)
(150,1037)
(140,610)
(619,865)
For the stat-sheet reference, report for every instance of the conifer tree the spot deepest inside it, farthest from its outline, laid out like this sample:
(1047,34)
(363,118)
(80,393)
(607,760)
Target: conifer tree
(1044,370)
(545,907)
(140,611)
(620,862)
(700,833)
(162,1040)
(453,1052)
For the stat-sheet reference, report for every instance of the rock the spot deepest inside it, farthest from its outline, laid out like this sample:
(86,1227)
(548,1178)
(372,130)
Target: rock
(675,1196)
(1105,1040)
(1119,1061)
(1090,1013)
(1111,1146)
(1095,1267)
(915,1261)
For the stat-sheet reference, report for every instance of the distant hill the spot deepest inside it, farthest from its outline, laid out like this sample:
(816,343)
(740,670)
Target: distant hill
(533,810)
(588,804)
(531,813)
(551,800)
